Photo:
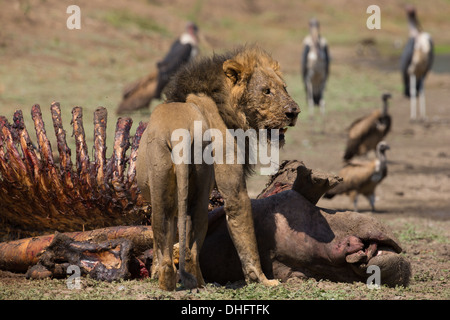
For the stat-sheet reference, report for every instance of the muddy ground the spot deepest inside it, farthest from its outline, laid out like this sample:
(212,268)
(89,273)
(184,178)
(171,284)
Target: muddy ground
(117,45)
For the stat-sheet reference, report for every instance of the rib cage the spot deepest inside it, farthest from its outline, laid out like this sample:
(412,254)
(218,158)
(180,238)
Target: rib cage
(39,194)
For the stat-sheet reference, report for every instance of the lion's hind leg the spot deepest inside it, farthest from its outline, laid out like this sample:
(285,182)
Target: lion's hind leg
(163,190)
(184,224)
(200,186)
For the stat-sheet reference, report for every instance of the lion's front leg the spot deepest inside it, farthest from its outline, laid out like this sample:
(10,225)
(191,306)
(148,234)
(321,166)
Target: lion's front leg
(241,227)
(238,212)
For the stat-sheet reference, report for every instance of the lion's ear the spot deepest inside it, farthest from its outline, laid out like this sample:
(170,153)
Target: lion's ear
(233,70)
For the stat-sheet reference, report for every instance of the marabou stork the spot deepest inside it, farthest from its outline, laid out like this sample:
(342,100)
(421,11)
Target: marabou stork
(182,51)
(416,61)
(315,66)
(139,94)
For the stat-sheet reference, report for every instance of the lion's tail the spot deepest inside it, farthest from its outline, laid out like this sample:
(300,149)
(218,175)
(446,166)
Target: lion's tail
(182,173)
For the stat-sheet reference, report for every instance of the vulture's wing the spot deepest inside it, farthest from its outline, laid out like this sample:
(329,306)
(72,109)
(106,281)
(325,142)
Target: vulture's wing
(358,131)
(142,83)
(354,175)
(139,94)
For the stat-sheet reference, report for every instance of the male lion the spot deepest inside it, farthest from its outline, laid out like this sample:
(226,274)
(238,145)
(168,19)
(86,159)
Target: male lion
(239,90)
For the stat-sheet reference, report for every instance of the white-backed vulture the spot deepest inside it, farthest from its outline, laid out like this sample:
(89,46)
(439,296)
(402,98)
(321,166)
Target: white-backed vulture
(416,60)
(139,94)
(366,132)
(315,66)
(362,177)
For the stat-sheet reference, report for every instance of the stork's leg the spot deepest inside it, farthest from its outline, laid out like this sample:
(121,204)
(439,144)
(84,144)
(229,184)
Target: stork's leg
(322,99)
(413,96)
(309,90)
(422,103)
(355,202)
(371,199)
(322,106)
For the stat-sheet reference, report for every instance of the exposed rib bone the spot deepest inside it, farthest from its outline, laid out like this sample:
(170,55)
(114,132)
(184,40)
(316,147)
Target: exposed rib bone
(40,193)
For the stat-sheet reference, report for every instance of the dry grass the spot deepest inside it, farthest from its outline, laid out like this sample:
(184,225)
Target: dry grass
(121,41)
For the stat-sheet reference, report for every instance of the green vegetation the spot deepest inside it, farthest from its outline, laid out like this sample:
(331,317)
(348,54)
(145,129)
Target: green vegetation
(127,19)
(121,41)
(56,289)
(411,233)
(441,48)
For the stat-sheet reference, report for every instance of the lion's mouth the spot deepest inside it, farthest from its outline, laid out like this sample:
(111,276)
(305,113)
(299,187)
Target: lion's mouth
(281,135)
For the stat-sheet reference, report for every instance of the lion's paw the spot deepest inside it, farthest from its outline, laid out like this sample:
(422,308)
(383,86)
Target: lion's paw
(271,283)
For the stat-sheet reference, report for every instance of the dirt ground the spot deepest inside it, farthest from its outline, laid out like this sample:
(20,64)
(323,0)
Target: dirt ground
(414,200)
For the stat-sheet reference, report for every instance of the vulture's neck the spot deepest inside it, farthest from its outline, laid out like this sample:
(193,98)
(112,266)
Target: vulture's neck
(385,108)
(381,157)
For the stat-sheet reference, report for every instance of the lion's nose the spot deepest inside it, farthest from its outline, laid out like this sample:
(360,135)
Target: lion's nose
(291,112)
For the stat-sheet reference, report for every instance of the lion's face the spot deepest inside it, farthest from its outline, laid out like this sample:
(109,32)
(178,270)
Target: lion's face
(261,92)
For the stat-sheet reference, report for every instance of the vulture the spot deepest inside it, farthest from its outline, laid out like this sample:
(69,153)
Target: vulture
(416,60)
(366,132)
(315,66)
(138,95)
(362,177)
